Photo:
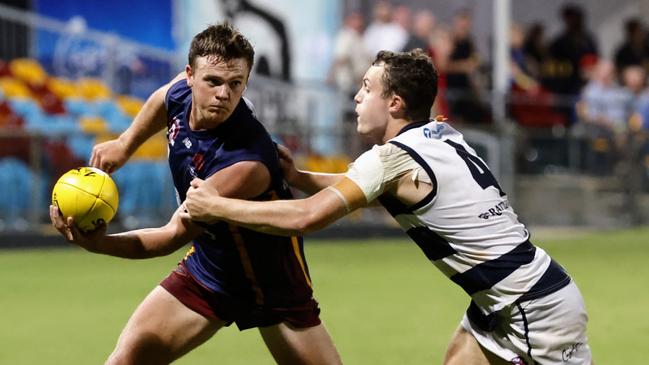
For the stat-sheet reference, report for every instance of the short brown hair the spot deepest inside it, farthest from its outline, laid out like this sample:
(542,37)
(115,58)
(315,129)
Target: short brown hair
(222,41)
(412,76)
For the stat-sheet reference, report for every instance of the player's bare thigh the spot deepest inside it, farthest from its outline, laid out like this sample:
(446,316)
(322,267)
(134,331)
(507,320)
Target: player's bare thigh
(311,345)
(465,349)
(161,330)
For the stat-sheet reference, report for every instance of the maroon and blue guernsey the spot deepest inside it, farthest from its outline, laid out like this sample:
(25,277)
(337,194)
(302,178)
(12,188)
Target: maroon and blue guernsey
(267,270)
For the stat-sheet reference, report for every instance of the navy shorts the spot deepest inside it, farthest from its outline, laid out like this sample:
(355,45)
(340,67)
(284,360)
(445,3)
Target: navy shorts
(218,306)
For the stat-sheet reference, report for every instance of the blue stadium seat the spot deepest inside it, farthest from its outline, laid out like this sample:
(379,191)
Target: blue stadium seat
(144,191)
(80,108)
(81,145)
(17,182)
(26,108)
(117,120)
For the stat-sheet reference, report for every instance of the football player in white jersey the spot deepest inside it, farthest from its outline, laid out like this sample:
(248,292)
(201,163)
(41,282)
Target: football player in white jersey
(524,307)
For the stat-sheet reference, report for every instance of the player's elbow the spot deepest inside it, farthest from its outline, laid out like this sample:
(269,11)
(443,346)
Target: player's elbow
(310,220)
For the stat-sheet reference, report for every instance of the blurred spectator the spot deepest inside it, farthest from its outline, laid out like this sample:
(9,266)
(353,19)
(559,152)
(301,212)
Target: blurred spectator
(529,103)
(350,61)
(402,15)
(423,27)
(603,103)
(606,110)
(349,66)
(442,46)
(520,74)
(384,33)
(634,51)
(535,49)
(461,72)
(634,80)
(572,55)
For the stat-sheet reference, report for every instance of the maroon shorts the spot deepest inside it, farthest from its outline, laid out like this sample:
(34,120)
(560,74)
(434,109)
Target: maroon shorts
(210,304)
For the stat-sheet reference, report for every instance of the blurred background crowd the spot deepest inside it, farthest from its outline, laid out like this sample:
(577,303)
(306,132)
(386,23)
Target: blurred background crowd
(569,143)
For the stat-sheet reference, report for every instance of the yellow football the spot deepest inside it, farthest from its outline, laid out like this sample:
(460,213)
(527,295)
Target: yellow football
(88,195)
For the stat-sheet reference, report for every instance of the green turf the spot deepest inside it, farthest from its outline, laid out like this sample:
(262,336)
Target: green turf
(382,302)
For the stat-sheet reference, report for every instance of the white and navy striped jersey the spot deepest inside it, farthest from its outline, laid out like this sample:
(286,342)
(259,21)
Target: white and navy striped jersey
(465,226)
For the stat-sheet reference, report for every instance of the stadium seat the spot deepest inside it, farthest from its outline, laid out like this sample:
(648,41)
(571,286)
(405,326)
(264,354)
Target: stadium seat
(14,89)
(93,125)
(93,89)
(49,102)
(79,107)
(129,105)
(63,125)
(81,145)
(155,148)
(59,158)
(9,119)
(26,108)
(113,114)
(17,182)
(28,70)
(143,190)
(62,88)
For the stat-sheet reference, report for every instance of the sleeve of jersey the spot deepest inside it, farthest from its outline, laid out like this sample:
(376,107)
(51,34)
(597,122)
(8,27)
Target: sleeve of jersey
(230,157)
(175,98)
(382,165)
(249,143)
(368,173)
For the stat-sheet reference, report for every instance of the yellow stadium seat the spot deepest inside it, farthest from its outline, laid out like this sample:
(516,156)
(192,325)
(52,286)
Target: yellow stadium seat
(62,88)
(93,89)
(105,137)
(28,70)
(14,88)
(155,148)
(93,125)
(129,105)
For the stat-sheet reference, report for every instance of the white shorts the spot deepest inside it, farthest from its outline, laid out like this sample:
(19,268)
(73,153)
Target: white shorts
(546,330)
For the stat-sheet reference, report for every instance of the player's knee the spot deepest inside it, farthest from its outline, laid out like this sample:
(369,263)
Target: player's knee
(140,351)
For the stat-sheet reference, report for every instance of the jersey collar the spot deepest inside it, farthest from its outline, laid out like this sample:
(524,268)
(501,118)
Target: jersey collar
(412,125)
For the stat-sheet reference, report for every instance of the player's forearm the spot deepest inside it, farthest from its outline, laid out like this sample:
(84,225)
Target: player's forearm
(280,217)
(138,244)
(274,217)
(312,182)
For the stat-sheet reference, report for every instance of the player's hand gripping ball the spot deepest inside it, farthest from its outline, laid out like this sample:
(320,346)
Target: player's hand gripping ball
(88,195)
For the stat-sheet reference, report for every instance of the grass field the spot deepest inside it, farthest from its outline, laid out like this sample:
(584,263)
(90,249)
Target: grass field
(382,302)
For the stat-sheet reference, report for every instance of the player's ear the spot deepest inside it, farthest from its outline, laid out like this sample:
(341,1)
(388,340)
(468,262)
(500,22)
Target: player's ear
(190,75)
(397,105)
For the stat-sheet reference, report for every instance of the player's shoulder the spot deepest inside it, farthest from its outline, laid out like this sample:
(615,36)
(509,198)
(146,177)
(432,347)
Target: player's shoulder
(386,150)
(432,132)
(178,92)
(249,106)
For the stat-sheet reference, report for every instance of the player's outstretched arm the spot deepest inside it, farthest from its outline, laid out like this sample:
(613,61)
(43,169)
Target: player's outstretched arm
(306,181)
(111,155)
(137,244)
(280,217)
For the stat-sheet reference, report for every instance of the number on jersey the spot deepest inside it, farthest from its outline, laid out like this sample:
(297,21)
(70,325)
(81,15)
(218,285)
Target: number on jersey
(480,172)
